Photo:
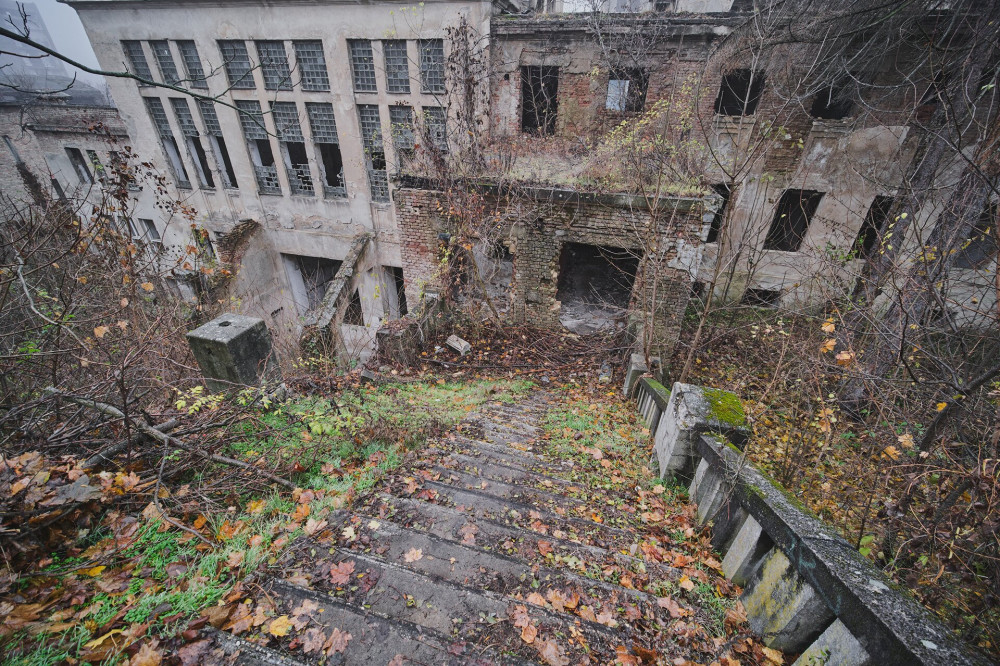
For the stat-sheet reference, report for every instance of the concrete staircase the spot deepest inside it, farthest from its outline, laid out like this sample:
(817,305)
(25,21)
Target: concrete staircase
(481,549)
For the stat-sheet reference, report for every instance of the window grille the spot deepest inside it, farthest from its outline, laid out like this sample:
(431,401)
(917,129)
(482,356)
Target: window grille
(264,168)
(184,118)
(236,60)
(363,65)
(192,63)
(137,60)
(322,122)
(436,122)
(371,138)
(371,126)
(165,61)
(401,119)
(397,69)
(274,65)
(209,118)
(251,119)
(159,116)
(431,65)
(312,65)
(286,121)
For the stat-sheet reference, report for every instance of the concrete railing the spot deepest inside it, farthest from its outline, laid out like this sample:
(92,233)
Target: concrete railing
(806,590)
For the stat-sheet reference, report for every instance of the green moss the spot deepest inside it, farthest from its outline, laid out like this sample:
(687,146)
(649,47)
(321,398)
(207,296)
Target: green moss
(725,407)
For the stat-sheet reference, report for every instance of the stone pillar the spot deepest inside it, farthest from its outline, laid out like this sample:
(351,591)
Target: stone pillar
(693,410)
(234,350)
(835,647)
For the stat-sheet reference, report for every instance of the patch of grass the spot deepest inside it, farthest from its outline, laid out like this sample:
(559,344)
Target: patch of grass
(45,649)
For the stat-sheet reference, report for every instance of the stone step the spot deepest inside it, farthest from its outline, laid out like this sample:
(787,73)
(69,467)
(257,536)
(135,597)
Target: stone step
(501,470)
(517,453)
(236,650)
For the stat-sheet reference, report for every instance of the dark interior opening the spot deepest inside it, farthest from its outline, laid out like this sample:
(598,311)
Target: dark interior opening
(297,153)
(333,164)
(595,286)
(722,189)
(203,162)
(539,99)
(317,273)
(982,243)
(873,226)
(397,278)
(739,93)
(831,104)
(264,150)
(791,220)
(354,314)
(761,298)
(226,162)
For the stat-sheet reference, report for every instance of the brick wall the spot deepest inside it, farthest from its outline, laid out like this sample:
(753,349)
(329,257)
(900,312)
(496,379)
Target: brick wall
(543,221)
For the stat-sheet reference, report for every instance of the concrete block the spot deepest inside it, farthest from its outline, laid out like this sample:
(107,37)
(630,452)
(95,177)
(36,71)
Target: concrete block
(458,344)
(746,551)
(693,410)
(707,491)
(636,368)
(835,647)
(782,608)
(234,350)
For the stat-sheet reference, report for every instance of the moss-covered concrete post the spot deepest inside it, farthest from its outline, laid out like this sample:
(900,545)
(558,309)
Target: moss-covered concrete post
(693,410)
(234,350)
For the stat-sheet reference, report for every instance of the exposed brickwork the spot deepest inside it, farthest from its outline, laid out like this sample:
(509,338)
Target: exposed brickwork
(536,239)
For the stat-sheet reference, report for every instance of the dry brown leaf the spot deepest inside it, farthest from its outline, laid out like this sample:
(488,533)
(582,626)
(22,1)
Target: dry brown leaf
(280,626)
(587,613)
(773,656)
(412,555)
(551,652)
(529,633)
(674,608)
(101,331)
(337,642)
(544,547)
(535,598)
(520,616)
(398,660)
(313,640)
(312,526)
(146,656)
(340,573)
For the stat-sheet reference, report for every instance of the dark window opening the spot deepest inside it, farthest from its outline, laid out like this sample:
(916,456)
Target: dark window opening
(791,220)
(176,163)
(722,189)
(539,99)
(354,315)
(595,286)
(762,298)
(740,93)
(197,152)
(222,159)
(58,189)
(297,166)
(95,162)
(397,278)
(79,165)
(263,147)
(333,169)
(316,274)
(982,245)
(627,90)
(831,104)
(873,227)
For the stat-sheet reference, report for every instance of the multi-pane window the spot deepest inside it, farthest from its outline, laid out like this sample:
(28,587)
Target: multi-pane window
(259,146)
(137,60)
(371,139)
(401,122)
(397,66)
(192,140)
(627,90)
(431,65)
(145,230)
(312,64)
(236,60)
(435,124)
(293,147)
(192,64)
(80,166)
(362,65)
(791,220)
(165,61)
(274,65)
(213,129)
(324,133)
(159,117)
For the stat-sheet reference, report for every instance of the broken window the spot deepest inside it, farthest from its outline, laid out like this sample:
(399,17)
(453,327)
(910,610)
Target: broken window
(165,61)
(159,117)
(218,144)
(397,66)
(436,126)
(80,166)
(399,285)
(95,162)
(324,133)
(873,227)
(831,103)
(791,220)
(982,245)
(311,62)
(627,90)
(595,286)
(144,230)
(192,64)
(309,278)
(293,147)
(362,65)
(431,65)
(274,65)
(739,93)
(236,60)
(192,140)
(761,298)
(137,60)
(371,139)
(539,99)
(354,314)
(722,189)
(401,123)
(259,146)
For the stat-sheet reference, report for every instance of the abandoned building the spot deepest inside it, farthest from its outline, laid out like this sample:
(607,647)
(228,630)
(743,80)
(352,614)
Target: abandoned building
(303,120)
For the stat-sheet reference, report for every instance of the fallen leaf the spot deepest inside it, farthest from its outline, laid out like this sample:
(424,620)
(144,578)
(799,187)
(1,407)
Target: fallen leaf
(520,616)
(398,660)
(529,633)
(312,526)
(906,440)
(686,583)
(624,657)
(587,613)
(545,548)
(536,598)
(412,555)
(773,656)
(674,608)
(891,452)
(235,559)
(280,626)
(147,286)
(337,642)
(551,652)
(101,331)
(146,656)
(340,573)
(313,640)
(194,653)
